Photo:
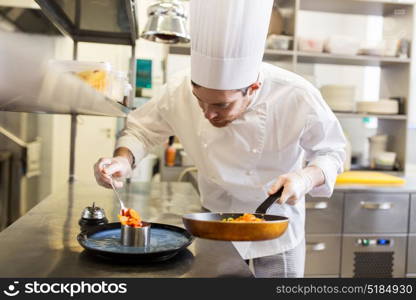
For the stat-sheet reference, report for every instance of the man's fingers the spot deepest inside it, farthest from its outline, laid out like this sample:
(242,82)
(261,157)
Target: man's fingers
(108,171)
(118,184)
(289,194)
(112,168)
(277,185)
(292,200)
(103,162)
(103,181)
(103,184)
(286,195)
(101,178)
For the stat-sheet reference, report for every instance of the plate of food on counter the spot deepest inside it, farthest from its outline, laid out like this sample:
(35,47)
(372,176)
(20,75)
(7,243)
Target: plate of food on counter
(134,239)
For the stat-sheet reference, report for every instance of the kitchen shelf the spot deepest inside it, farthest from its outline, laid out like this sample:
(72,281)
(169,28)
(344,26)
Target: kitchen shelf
(53,91)
(83,21)
(357,7)
(102,106)
(398,20)
(363,115)
(270,54)
(185,49)
(358,60)
(181,49)
(112,21)
(316,58)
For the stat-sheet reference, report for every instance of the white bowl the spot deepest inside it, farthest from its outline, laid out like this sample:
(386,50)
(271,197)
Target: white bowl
(378,107)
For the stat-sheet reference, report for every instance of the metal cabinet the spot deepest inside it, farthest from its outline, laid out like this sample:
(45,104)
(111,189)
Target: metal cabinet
(376,213)
(374,255)
(411,256)
(324,215)
(412,228)
(323,255)
(5,162)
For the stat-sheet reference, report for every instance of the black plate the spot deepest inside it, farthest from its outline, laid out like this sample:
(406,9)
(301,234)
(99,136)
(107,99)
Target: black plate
(165,242)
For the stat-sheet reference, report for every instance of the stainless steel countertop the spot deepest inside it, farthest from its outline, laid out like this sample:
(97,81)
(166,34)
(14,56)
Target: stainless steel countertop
(408,187)
(43,242)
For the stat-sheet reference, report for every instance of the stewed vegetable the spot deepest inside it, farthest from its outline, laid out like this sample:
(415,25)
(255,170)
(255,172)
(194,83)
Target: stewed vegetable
(130,217)
(244,218)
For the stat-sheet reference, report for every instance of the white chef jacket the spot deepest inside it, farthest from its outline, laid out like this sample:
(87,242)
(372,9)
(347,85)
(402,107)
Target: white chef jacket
(286,126)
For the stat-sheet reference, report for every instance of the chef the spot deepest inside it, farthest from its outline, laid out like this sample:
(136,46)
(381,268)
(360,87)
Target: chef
(249,127)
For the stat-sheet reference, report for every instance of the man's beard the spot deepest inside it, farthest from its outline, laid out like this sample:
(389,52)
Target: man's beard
(221,124)
(224,123)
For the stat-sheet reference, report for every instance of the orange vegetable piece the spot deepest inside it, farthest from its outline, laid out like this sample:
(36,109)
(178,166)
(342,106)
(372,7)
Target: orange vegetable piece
(130,217)
(244,218)
(123,219)
(133,214)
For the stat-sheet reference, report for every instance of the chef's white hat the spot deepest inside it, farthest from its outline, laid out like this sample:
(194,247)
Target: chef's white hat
(227,41)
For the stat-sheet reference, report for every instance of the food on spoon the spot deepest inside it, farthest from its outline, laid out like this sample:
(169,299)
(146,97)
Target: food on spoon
(130,217)
(244,218)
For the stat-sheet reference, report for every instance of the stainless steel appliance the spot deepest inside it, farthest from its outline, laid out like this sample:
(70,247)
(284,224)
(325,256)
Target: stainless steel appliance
(361,234)
(376,213)
(5,174)
(323,255)
(375,234)
(371,255)
(323,227)
(324,215)
(412,228)
(411,251)
(411,257)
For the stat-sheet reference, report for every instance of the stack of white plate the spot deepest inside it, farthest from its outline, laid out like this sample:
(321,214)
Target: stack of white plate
(311,44)
(383,106)
(339,97)
(338,44)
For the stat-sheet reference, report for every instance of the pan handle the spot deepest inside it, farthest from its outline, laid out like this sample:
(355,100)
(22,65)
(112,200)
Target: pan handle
(262,209)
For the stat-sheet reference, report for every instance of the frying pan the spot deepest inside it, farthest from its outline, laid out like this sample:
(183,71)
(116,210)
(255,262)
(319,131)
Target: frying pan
(211,226)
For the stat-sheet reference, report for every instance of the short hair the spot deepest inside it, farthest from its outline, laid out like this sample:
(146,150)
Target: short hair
(243,90)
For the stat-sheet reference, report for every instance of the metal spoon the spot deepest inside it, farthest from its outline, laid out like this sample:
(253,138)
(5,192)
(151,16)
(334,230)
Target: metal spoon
(122,207)
(118,195)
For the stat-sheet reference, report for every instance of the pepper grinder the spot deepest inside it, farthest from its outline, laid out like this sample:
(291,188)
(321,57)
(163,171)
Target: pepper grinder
(92,216)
